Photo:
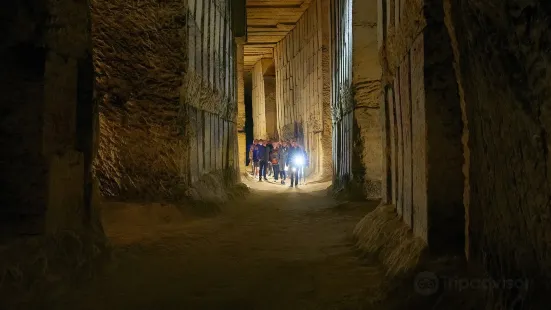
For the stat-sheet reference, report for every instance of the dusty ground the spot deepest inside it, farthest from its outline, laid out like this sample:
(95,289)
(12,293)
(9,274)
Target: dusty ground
(280,248)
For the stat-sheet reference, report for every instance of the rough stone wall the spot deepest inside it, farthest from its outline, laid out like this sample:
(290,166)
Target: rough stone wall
(302,81)
(210,93)
(137,85)
(270,106)
(241,115)
(501,54)
(240,57)
(47,119)
(427,181)
(366,75)
(342,100)
(259,102)
(164,81)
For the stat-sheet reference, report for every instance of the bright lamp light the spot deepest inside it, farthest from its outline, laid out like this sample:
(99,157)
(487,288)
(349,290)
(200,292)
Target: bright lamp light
(299,160)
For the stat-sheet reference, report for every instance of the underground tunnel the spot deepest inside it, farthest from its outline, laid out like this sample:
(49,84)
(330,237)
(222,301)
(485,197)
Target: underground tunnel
(129,165)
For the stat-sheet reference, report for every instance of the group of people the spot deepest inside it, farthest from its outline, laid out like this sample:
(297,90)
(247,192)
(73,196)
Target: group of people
(276,158)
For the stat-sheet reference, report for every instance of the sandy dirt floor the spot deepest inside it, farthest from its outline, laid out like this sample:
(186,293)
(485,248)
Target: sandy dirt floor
(279,248)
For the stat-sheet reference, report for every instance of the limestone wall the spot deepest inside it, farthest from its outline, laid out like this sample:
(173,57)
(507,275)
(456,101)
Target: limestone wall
(270,106)
(342,100)
(47,120)
(259,102)
(501,60)
(209,91)
(303,86)
(165,83)
(366,75)
(422,122)
(241,115)
(240,58)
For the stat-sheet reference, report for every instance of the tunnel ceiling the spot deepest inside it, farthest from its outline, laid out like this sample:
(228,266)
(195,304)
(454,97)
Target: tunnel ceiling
(268,21)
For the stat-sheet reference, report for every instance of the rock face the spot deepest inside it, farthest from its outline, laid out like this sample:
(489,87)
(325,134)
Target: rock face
(165,85)
(501,56)
(137,85)
(259,102)
(466,90)
(302,82)
(423,114)
(366,74)
(241,115)
(47,131)
(268,22)
(161,116)
(270,106)
(342,100)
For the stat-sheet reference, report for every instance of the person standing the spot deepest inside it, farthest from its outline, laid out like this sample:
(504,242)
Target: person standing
(274,159)
(294,153)
(269,148)
(283,152)
(262,160)
(253,158)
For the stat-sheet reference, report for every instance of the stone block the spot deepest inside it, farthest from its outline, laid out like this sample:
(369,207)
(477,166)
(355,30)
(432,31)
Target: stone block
(419,140)
(60,99)
(243,151)
(405,96)
(221,142)
(215,142)
(392,137)
(200,142)
(400,145)
(446,212)
(384,118)
(213,145)
(192,150)
(65,209)
(208,145)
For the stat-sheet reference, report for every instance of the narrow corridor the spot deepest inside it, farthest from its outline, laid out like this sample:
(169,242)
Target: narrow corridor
(278,248)
(438,109)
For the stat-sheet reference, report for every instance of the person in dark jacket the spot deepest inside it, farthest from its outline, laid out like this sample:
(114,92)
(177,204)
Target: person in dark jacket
(269,148)
(262,160)
(295,153)
(282,154)
(253,159)
(274,160)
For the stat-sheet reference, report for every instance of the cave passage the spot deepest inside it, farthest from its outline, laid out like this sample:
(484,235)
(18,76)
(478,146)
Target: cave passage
(125,129)
(273,250)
